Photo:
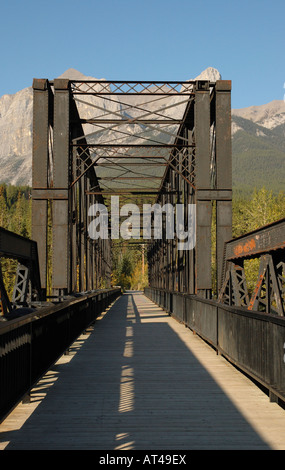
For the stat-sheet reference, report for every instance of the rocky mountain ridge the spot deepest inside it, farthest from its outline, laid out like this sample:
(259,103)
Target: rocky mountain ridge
(16,117)
(253,128)
(268,115)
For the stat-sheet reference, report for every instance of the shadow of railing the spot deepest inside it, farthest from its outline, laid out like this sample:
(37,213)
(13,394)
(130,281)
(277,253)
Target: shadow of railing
(134,384)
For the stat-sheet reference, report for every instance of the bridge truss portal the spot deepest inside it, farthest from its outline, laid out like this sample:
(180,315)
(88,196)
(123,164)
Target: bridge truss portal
(143,142)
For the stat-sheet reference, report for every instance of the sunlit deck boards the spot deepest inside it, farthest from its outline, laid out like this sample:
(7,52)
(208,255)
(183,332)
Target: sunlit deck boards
(141,380)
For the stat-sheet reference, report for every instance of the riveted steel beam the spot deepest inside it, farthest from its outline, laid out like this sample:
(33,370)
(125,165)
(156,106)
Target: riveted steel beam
(266,239)
(223,170)
(42,123)
(203,182)
(267,244)
(61,172)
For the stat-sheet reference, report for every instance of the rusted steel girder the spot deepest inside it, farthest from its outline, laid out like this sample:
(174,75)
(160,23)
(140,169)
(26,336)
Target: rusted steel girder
(264,240)
(267,244)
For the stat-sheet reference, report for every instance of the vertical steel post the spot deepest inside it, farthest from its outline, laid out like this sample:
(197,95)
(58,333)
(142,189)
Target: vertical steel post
(61,173)
(180,200)
(203,182)
(191,200)
(88,266)
(223,171)
(42,108)
(73,223)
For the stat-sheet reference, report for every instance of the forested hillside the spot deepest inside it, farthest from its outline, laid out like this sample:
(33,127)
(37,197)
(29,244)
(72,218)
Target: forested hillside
(258,156)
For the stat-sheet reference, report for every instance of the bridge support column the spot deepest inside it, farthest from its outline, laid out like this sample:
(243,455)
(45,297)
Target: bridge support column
(203,182)
(223,172)
(61,173)
(42,120)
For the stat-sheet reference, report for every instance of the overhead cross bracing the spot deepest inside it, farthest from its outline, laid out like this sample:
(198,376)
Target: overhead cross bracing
(144,142)
(130,131)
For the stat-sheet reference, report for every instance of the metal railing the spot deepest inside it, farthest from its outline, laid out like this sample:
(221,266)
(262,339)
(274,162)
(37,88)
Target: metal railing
(31,344)
(253,341)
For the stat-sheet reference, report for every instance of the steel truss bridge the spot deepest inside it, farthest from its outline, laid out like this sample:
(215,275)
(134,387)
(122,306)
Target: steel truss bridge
(165,143)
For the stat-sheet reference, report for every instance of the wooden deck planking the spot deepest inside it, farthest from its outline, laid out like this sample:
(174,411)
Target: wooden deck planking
(141,380)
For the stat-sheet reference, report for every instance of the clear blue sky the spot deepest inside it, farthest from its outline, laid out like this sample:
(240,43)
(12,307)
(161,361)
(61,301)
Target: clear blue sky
(147,40)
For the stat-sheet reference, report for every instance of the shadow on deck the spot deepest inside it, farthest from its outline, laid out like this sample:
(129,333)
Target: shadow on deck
(136,382)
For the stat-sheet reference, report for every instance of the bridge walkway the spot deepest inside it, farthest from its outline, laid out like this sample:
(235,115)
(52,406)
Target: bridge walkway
(138,379)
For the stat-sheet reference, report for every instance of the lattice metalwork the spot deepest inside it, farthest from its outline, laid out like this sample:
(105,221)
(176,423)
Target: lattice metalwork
(267,295)
(21,287)
(131,87)
(234,290)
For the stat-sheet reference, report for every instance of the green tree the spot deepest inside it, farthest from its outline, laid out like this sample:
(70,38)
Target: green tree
(129,266)
(21,220)
(249,214)
(4,217)
(15,215)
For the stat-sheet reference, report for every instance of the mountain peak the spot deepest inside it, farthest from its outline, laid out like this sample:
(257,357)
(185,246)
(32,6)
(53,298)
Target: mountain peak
(74,74)
(211,74)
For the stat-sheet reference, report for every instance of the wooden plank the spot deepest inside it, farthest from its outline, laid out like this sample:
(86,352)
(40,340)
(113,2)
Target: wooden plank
(140,380)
